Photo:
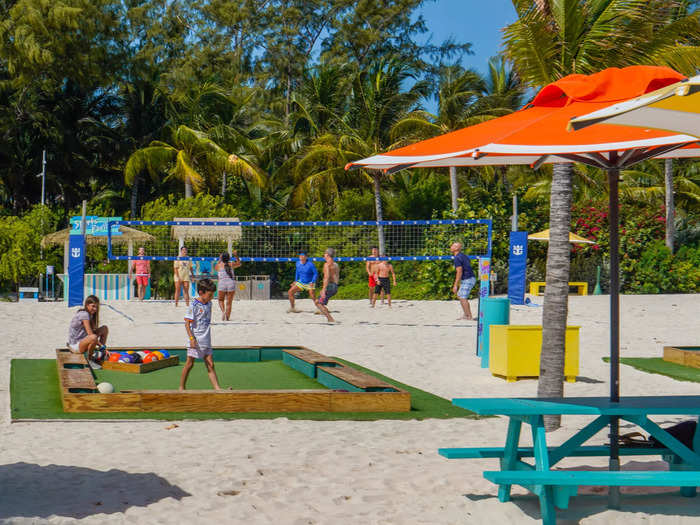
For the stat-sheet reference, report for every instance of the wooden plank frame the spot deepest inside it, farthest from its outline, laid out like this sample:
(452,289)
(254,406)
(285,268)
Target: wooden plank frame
(79,393)
(682,355)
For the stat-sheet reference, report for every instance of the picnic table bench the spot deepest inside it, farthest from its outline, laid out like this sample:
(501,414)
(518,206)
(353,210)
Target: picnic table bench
(555,487)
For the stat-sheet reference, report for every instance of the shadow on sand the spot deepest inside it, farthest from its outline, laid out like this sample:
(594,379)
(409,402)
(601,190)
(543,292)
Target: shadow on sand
(34,491)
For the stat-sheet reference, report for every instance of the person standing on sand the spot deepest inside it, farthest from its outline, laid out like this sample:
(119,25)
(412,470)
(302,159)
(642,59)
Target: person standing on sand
(464,279)
(371,268)
(331,277)
(304,279)
(183,273)
(227,282)
(142,270)
(384,269)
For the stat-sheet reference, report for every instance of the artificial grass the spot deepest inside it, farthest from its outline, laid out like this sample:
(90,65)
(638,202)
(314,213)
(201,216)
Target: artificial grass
(34,395)
(265,375)
(656,365)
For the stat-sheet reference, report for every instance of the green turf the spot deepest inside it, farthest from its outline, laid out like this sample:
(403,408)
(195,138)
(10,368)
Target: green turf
(266,375)
(34,394)
(656,365)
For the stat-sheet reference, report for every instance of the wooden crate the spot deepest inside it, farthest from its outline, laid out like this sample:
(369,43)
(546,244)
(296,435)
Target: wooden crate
(79,393)
(141,368)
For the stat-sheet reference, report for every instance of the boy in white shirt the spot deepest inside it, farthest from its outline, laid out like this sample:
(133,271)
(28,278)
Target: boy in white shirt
(197,325)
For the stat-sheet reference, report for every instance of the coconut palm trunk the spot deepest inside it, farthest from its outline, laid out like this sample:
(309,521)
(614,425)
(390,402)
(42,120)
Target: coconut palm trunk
(188,189)
(670,206)
(454,186)
(380,215)
(556,294)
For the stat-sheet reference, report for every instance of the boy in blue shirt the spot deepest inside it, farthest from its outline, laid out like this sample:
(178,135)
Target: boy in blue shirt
(304,279)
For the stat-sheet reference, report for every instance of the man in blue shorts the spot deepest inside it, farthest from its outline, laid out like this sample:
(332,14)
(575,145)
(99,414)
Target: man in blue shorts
(464,279)
(304,279)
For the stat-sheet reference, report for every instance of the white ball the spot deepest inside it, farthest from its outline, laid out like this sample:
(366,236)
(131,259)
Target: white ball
(105,388)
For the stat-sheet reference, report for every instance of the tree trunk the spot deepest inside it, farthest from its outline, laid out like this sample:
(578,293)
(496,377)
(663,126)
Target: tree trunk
(556,295)
(134,197)
(454,186)
(380,215)
(223,184)
(188,189)
(670,206)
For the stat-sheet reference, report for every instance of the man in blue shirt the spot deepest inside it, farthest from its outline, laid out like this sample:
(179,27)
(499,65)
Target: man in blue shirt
(304,279)
(464,279)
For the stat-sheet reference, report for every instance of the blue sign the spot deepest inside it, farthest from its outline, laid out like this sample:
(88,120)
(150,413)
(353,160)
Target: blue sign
(94,225)
(76,270)
(517,265)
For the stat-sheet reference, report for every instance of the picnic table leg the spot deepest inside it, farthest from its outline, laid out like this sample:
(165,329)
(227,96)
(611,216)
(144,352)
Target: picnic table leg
(546,495)
(510,455)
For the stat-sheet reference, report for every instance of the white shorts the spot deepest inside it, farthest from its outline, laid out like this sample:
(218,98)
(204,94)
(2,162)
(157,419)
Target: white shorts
(465,286)
(199,353)
(75,348)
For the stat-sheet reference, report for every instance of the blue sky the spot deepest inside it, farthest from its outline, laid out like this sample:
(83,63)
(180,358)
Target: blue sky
(475,21)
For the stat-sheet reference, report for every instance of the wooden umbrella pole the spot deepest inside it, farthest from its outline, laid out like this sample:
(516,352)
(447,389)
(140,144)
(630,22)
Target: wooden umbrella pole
(613,218)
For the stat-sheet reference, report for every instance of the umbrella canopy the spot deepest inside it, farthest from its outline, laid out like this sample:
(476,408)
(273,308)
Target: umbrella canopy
(127,235)
(675,108)
(544,236)
(537,133)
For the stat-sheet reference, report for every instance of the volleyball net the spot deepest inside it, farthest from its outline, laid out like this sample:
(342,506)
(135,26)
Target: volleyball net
(260,241)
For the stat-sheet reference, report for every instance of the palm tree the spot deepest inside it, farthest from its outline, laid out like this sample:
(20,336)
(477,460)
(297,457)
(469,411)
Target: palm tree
(378,102)
(465,98)
(554,38)
(192,157)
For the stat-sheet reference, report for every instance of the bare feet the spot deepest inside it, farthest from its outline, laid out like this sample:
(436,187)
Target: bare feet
(293,311)
(465,318)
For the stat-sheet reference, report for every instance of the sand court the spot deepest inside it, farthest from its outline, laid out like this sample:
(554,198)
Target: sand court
(284,471)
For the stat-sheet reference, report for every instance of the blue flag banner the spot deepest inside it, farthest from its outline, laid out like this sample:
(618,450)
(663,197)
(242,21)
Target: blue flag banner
(517,265)
(76,270)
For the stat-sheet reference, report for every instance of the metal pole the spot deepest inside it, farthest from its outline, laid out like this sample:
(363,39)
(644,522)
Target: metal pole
(43,178)
(613,176)
(83,220)
(514,221)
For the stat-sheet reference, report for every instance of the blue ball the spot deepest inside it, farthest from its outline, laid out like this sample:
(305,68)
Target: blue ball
(125,360)
(165,353)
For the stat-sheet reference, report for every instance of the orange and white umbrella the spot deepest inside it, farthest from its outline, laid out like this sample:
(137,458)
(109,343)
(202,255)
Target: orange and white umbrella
(674,108)
(537,133)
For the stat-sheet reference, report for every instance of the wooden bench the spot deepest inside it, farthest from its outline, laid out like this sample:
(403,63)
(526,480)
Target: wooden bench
(307,361)
(529,452)
(361,381)
(581,288)
(622,478)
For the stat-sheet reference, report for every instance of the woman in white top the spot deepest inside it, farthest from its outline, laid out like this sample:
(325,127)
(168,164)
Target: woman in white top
(183,272)
(227,283)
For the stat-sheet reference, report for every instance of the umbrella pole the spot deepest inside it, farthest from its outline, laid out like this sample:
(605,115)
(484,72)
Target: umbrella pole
(613,218)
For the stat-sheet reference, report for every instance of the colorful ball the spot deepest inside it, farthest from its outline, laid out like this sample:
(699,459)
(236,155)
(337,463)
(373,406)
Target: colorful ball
(98,356)
(149,358)
(124,360)
(114,357)
(165,353)
(135,358)
(105,388)
(142,354)
(159,354)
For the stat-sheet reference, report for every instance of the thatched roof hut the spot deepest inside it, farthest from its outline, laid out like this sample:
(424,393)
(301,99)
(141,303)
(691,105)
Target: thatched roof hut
(209,233)
(127,235)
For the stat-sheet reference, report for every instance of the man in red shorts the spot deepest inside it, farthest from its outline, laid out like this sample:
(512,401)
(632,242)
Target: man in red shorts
(142,269)
(371,268)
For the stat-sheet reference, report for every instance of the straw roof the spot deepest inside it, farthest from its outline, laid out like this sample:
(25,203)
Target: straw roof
(127,234)
(210,233)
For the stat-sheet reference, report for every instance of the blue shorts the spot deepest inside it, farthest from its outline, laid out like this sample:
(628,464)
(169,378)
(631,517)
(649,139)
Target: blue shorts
(465,286)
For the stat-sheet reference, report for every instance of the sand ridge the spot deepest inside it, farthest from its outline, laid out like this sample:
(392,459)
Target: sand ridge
(305,472)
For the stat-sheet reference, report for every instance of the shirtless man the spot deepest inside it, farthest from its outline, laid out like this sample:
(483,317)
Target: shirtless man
(331,276)
(384,269)
(371,267)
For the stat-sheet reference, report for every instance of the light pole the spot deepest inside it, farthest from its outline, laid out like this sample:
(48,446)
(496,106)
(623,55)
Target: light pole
(43,177)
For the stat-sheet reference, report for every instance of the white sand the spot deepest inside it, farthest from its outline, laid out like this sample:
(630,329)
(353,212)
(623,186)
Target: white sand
(304,472)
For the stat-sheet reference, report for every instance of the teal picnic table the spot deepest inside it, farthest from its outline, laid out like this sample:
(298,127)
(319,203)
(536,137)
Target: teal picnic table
(555,487)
